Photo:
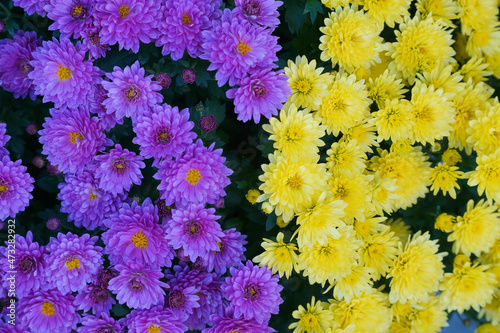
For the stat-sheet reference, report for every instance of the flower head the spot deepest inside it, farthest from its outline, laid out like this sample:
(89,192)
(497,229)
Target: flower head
(71,17)
(101,323)
(32,6)
(279,256)
(486,176)
(387,11)
(444,177)
(96,297)
(15,187)
(259,12)
(228,322)
(207,123)
(314,319)
(229,254)
(155,319)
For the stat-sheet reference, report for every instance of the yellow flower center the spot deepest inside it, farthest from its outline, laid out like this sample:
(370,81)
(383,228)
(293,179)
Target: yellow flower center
(481,38)
(73,136)
(140,240)
(72,262)
(154,329)
(243,47)
(92,196)
(375,249)
(309,320)
(48,309)
(193,176)
(294,181)
(123,11)
(77,11)
(3,188)
(186,19)
(63,73)
(303,86)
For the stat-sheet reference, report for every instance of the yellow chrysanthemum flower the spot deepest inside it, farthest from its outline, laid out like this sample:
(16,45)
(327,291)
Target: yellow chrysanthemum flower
(383,194)
(428,317)
(411,171)
(333,260)
(487,328)
(369,312)
(403,326)
(432,112)
(355,191)
(484,42)
(332,4)
(467,287)
(307,82)
(444,178)
(486,176)
(385,87)
(443,76)
(445,222)
(291,187)
(296,133)
(364,134)
(346,104)
(378,69)
(379,252)
(451,156)
(477,14)
(401,230)
(476,231)
(417,270)
(491,312)
(315,319)
(320,222)
(351,38)
(345,159)
(252,195)
(370,226)
(475,69)
(354,284)
(493,255)
(494,64)
(421,44)
(394,122)
(386,11)
(484,131)
(446,10)
(279,256)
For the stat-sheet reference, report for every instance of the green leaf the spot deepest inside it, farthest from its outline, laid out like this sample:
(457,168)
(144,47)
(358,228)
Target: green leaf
(294,15)
(313,7)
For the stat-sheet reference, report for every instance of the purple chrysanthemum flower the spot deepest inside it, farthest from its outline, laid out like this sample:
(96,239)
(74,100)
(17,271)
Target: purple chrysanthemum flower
(235,47)
(182,24)
(9,328)
(48,311)
(53,223)
(163,133)
(96,297)
(195,229)
(15,187)
(207,123)
(97,106)
(138,286)
(208,289)
(119,169)
(71,17)
(156,319)
(105,275)
(130,92)
(61,75)
(94,324)
(72,261)
(163,209)
(228,323)
(164,80)
(188,75)
(87,205)
(3,139)
(128,22)
(28,265)
(229,254)
(32,6)
(261,93)
(15,57)
(71,139)
(91,41)
(253,292)
(182,300)
(261,12)
(135,235)
(198,176)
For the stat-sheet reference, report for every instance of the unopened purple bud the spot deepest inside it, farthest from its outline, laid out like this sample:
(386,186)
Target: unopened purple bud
(181,256)
(163,209)
(2,26)
(219,203)
(38,161)
(53,169)
(31,129)
(164,80)
(198,265)
(53,223)
(207,123)
(188,75)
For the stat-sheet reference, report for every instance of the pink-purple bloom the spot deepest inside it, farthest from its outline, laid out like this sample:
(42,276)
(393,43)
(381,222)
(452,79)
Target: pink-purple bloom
(95,297)
(229,254)
(229,323)
(15,57)
(261,12)
(235,47)
(164,80)
(94,324)
(32,6)
(3,139)
(118,169)
(71,17)
(198,176)
(71,138)
(261,93)
(155,319)
(188,75)
(72,261)
(163,133)
(48,311)
(91,41)
(28,264)
(138,286)
(182,299)
(87,205)
(207,123)
(53,223)
(128,22)
(130,93)
(253,292)
(15,187)
(135,235)
(61,75)
(195,229)
(97,106)
(182,24)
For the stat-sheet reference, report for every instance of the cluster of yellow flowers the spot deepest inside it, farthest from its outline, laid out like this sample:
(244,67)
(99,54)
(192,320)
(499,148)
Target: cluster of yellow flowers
(425,93)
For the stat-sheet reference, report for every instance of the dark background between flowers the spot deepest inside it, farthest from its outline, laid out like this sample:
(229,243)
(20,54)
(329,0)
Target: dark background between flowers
(245,145)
